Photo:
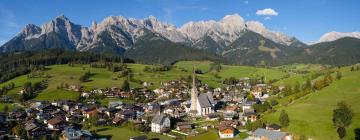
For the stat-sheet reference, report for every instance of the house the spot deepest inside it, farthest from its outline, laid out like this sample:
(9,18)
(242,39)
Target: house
(34,129)
(143,137)
(76,88)
(226,132)
(115,104)
(228,115)
(183,126)
(117,120)
(160,123)
(70,133)
(90,112)
(263,134)
(226,129)
(56,123)
(250,115)
(274,127)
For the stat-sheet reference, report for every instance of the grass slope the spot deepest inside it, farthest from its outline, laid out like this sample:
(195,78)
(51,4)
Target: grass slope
(312,115)
(103,78)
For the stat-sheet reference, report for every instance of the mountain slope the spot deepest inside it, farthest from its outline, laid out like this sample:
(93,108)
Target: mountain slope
(343,51)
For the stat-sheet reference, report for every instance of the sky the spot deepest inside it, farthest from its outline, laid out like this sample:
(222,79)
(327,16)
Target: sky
(307,20)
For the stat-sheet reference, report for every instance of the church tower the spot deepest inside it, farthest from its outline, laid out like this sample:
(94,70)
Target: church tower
(194,95)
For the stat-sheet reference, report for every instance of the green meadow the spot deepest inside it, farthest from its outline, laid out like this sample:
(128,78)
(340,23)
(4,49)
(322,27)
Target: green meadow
(102,78)
(312,115)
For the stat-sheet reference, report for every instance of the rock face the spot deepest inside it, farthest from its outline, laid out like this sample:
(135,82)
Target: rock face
(332,36)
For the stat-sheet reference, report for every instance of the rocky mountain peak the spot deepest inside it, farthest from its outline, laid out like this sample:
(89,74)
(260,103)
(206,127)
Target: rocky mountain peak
(30,30)
(334,35)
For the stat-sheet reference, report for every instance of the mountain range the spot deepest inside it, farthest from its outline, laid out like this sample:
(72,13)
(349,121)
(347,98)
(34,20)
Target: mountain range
(231,39)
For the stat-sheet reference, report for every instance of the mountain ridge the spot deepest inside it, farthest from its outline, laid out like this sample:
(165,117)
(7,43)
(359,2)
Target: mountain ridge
(232,39)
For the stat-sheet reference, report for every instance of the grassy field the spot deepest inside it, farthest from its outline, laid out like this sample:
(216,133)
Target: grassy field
(103,78)
(312,115)
(211,135)
(125,133)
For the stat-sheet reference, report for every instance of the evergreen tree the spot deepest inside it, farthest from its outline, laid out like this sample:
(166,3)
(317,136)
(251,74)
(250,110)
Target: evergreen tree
(297,87)
(284,119)
(126,85)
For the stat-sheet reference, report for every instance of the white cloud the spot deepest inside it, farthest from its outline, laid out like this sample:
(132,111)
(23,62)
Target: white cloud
(267,12)
(267,18)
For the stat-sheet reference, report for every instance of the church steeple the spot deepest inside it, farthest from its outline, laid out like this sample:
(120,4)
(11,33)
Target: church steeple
(194,95)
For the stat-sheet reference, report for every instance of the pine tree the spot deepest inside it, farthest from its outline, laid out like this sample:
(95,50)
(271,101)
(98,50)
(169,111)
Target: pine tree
(284,119)
(126,85)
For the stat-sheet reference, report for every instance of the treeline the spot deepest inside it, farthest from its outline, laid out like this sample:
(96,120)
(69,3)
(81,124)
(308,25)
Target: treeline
(20,63)
(110,66)
(157,68)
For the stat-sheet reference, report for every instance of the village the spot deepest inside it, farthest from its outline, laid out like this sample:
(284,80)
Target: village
(177,109)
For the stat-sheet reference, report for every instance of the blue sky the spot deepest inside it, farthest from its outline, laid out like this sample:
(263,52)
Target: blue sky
(305,19)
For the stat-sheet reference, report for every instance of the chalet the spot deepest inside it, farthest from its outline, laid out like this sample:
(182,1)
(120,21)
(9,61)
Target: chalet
(160,123)
(152,107)
(127,114)
(250,115)
(115,104)
(226,132)
(90,112)
(226,129)
(117,120)
(231,109)
(76,88)
(56,123)
(35,129)
(263,134)
(76,118)
(273,127)
(228,115)
(70,133)
(212,117)
(183,126)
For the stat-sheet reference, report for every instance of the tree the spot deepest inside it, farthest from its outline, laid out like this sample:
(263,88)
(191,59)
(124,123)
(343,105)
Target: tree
(342,117)
(338,75)
(19,130)
(307,84)
(287,90)
(341,132)
(284,119)
(357,134)
(28,88)
(297,87)
(126,85)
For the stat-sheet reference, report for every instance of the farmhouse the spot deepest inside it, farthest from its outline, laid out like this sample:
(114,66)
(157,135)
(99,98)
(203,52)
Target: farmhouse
(160,123)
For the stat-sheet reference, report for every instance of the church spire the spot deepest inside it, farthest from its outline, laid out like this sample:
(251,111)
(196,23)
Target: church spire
(193,76)
(194,96)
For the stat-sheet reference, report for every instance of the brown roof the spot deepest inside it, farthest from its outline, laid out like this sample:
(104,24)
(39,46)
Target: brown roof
(54,121)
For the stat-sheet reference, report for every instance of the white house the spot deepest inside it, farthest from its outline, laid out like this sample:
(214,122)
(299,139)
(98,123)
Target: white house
(160,123)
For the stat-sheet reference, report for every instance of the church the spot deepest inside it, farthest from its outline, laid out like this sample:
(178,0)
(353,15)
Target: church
(202,104)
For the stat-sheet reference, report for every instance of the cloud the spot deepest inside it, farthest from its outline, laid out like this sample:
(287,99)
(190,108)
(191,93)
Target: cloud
(267,18)
(246,2)
(267,12)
